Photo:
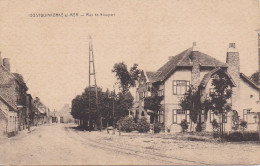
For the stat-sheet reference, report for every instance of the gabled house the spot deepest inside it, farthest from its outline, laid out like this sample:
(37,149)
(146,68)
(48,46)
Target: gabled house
(13,89)
(192,67)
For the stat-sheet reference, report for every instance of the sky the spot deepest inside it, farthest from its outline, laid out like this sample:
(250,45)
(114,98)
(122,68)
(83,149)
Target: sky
(52,52)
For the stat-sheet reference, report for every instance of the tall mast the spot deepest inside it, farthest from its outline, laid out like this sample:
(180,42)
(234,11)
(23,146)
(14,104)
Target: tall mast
(92,75)
(258,31)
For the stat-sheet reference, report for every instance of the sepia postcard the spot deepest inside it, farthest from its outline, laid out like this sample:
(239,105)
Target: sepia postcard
(130,82)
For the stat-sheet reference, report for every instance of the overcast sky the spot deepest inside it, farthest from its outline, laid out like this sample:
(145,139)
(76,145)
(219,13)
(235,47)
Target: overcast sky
(52,53)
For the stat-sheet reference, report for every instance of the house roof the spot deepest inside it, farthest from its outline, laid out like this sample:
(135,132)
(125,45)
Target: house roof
(248,80)
(9,105)
(19,78)
(182,60)
(152,76)
(207,77)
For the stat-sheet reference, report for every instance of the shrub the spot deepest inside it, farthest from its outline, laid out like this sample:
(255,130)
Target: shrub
(215,125)
(199,127)
(157,127)
(238,136)
(142,125)
(216,135)
(184,125)
(127,124)
(243,125)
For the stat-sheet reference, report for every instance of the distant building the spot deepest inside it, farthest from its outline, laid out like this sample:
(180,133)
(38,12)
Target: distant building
(41,116)
(56,118)
(65,114)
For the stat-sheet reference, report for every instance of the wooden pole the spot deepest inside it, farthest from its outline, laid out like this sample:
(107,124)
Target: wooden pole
(259,125)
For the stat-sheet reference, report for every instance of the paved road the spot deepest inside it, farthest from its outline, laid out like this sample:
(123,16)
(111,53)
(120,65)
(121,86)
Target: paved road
(59,144)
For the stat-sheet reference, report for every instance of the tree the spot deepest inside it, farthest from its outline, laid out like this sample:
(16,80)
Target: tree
(218,100)
(123,102)
(192,102)
(153,103)
(85,109)
(255,78)
(142,125)
(184,125)
(126,78)
(243,125)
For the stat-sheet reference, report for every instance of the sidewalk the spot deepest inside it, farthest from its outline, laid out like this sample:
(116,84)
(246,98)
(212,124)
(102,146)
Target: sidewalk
(20,134)
(173,145)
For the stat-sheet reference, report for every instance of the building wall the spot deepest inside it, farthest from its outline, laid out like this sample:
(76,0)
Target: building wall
(11,91)
(3,123)
(8,120)
(248,98)
(172,101)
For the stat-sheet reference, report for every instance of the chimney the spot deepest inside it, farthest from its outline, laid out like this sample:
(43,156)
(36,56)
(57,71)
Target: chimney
(234,71)
(194,47)
(195,72)
(6,63)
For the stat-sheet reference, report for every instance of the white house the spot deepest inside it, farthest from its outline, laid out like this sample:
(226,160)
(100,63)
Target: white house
(192,67)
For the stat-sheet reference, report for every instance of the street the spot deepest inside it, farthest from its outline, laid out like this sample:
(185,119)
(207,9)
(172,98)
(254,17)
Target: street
(62,144)
(59,144)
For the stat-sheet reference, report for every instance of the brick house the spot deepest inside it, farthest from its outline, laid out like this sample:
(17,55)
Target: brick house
(192,67)
(8,118)
(13,89)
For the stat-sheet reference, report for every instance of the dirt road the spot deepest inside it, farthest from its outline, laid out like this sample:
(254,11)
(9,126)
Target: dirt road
(59,144)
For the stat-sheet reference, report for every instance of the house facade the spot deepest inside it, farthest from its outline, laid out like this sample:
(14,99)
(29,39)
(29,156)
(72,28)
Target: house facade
(8,119)
(13,91)
(194,68)
(41,116)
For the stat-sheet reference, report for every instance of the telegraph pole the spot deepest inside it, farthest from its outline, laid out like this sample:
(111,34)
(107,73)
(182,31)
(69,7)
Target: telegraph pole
(258,31)
(92,75)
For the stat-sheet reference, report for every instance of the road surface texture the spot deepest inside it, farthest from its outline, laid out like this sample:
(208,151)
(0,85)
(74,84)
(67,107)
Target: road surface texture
(62,145)
(170,147)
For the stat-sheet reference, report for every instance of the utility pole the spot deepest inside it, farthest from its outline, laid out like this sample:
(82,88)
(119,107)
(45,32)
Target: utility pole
(114,112)
(92,75)
(258,32)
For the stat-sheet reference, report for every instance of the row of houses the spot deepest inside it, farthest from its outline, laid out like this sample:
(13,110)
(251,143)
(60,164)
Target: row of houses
(193,67)
(18,109)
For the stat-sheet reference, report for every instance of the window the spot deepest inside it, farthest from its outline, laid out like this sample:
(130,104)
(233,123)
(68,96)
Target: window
(148,87)
(202,116)
(141,94)
(180,87)
(179,115)
(218,117)
(160,92)
(212,91)
(250,117)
